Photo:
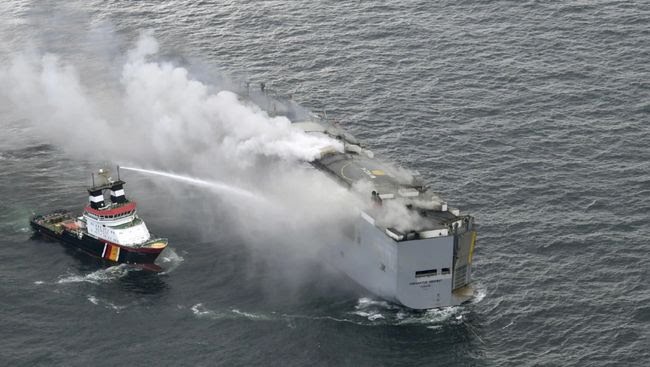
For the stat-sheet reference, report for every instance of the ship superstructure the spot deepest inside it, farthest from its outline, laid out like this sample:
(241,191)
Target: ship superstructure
(109,226)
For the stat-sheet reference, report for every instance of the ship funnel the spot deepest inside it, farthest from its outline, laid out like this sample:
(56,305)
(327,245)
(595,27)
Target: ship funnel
(96,198)
(117,192)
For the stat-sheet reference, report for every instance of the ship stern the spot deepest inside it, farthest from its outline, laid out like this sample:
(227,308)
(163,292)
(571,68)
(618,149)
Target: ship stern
(435,272)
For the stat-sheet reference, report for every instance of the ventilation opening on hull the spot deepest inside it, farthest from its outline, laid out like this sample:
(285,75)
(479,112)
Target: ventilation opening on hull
(460,274)
(426,273)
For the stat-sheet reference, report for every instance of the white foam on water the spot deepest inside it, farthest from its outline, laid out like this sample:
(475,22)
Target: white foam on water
(290,319)
(201,311)
(115,307)
(39,282)
(479,294)
(106,304)
(100,276)
(250,315)
(365,302)
(169,261)
(433,316)
(380,312)
(368,312)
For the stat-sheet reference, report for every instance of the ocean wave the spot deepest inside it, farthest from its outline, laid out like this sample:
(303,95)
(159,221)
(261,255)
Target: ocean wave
(100,276)
(201,311)
(380,312)
(93,300)
(367,312)
(107,304)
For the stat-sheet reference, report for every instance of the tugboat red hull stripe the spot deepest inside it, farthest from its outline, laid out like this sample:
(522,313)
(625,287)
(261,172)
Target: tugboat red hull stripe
(117,211)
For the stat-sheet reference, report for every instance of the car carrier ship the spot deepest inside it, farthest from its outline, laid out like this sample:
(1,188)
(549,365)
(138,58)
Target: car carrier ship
(421,262)
(108,229)
(423,259)
(406,245)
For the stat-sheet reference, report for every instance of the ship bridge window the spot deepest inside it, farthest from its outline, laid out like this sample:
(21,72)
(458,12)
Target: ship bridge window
(426,273)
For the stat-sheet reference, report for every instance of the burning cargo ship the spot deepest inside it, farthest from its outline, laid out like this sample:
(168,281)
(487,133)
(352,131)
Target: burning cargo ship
(423,262)
(406,245)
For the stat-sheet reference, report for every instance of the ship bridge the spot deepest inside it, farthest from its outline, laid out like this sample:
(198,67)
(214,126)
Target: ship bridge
(114,220)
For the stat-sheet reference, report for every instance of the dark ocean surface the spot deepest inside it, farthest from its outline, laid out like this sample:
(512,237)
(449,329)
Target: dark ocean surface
(533,116)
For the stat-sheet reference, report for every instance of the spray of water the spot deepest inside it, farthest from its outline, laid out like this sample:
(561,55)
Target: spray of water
(213,185)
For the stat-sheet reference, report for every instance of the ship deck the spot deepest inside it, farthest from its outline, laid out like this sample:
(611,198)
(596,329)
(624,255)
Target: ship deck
(390,183)
(357,165)
(357,168)
(55,221)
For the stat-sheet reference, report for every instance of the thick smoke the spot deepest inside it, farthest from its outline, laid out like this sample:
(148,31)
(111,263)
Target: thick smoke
(160,112)
(136,109)
(102,99)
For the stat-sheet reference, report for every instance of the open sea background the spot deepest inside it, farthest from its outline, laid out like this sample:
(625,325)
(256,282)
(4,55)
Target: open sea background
(531,115)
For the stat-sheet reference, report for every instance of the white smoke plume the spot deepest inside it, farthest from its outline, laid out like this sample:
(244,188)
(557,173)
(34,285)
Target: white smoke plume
(161,110)
(135,108)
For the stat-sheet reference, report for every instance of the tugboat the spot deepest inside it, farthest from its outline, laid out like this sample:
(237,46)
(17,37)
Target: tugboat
(110,230)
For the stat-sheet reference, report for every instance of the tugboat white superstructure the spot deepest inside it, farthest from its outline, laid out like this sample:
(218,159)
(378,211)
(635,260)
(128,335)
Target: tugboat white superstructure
(109,229)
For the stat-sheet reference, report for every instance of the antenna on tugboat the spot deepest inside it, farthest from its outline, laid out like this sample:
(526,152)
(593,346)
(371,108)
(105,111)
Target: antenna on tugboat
(92,177)
(118,172)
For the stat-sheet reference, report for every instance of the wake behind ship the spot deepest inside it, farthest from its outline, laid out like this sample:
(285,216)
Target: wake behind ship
(107,229)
